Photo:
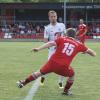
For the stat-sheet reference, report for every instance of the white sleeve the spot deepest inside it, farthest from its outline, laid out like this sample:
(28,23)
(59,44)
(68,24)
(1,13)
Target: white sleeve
(64,28)
(46,35)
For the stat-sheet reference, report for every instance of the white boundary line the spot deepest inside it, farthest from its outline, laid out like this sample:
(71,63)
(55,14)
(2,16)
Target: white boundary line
(33,90)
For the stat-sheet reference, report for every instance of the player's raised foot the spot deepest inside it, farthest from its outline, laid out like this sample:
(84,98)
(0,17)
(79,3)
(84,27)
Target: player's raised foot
(20,83)
(68,93)
(60,86)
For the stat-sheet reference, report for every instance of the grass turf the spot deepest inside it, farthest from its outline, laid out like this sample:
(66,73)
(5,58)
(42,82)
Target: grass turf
(17,62)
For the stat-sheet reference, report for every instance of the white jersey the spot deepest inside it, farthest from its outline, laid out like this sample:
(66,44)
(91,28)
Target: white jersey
(50,31)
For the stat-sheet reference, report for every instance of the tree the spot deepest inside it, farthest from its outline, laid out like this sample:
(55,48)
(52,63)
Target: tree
(28,1)
(50,1)
(81,1)
(9,1)
(41,1)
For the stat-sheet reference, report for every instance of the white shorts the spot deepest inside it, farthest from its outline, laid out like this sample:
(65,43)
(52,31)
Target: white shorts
(50,53)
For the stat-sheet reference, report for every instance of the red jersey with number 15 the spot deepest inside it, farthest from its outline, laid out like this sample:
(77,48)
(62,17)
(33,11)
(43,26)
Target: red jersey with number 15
(81,29)
(66,50)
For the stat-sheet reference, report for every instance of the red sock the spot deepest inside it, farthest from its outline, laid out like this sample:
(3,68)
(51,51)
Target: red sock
(68,85)
(31,78)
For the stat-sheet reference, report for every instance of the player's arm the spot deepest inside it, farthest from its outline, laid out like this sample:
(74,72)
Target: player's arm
(77,32)
(90,52)
(64,30)
(45,40)
(46,35)
(85,30)
(44,46)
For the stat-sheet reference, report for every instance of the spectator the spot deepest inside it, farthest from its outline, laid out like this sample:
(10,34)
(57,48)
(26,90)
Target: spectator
(33,31)
(22,32)
(98,28)
(38,30)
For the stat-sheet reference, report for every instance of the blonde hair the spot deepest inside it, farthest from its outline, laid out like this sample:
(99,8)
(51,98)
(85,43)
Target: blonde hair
(52,12)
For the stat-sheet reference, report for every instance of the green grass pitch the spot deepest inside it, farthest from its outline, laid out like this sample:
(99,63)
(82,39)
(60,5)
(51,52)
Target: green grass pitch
(17,62)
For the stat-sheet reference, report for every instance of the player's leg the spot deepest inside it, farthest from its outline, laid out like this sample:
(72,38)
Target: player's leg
(69,82)
(44,76)
(68,85)
(82,39)
(66,72)
(60,81)
(44,70)
(30,78)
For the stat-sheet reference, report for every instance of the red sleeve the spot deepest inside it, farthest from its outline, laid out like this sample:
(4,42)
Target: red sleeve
(58,40)
(82,48)
(85,27)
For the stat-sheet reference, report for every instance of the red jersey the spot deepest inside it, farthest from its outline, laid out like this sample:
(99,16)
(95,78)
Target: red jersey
(66,50)
(81,29)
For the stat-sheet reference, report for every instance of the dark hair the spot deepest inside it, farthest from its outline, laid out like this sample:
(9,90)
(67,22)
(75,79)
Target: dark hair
(58,33)
(71,32)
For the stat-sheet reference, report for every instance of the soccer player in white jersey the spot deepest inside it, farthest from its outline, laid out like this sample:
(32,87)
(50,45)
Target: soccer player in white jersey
(49,35)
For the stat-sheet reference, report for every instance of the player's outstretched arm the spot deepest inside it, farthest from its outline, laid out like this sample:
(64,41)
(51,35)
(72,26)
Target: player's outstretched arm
(77,32)
(91,52)
(44,46)
(85,31)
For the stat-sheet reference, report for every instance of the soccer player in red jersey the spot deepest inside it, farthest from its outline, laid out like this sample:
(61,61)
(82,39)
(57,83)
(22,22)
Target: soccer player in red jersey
(59,63)
(82,29)
(49,35)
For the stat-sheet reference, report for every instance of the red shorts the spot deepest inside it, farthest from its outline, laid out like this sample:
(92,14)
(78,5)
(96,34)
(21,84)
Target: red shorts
(52,66)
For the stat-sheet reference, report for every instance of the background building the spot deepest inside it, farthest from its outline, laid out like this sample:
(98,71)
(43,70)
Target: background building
(34,16)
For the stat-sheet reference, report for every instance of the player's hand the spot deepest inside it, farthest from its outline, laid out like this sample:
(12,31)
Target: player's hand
(35,49)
